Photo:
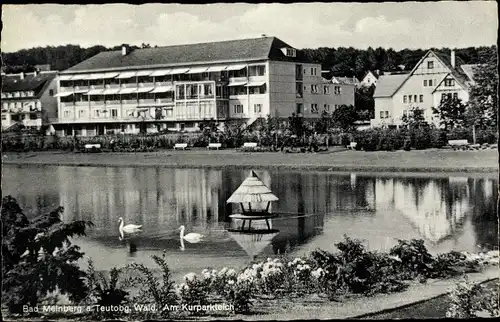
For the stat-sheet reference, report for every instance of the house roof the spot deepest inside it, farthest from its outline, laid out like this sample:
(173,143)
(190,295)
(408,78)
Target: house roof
(375,73)
(31,82)
(347,80)
(456,71)
(252,190)
(469,70)
(387,85)
(262,48)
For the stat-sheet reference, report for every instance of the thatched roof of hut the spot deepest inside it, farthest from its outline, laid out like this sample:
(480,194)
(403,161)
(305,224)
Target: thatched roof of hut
(252,190)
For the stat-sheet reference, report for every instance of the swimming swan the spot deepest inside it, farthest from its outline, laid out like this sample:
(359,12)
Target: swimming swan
(130,228)
(191,237)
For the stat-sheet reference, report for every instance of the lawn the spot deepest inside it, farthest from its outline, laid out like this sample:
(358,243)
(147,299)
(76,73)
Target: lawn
(431,160)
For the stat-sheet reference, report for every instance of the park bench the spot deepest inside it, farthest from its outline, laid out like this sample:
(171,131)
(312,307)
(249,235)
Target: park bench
(92,147)
(214,146)
(353,145)
(250,145)
(182,146)
(458,142)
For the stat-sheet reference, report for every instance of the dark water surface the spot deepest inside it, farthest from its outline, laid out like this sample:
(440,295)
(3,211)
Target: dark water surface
(450,212)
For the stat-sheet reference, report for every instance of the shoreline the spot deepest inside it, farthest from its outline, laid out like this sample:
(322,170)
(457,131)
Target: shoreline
(424,161)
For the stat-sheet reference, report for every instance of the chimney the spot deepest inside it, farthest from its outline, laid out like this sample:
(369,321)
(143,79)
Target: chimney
(124,50)
(21,75)
(453,58)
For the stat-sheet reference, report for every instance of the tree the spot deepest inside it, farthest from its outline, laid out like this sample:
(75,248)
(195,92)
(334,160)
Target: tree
(344,117)
(483,100)
(296,125)
(38,256)
(364,102)
(210,130)
(451,112)
(323,125)
(415,119)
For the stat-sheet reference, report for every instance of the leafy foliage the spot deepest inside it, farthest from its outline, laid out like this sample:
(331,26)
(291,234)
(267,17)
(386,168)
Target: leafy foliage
(451,112)
(160,292)
(344,117)
(39,257)
(106,292)
(415,258)
(469,300)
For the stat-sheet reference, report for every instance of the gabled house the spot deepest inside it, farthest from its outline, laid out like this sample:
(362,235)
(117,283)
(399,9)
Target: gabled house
(28,99)
(434,77)
(370,78)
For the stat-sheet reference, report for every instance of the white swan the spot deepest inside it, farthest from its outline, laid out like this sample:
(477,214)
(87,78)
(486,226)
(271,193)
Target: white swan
(130,228)
(191,237)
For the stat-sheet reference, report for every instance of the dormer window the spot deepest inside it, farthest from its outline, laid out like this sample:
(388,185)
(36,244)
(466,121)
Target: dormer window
(289,52)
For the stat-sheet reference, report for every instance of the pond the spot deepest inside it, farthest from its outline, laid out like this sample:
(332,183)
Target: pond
(448,211)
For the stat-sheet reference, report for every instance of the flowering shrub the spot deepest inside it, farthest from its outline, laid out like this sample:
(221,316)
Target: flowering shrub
(451,264)
(194,291)
(271,275)
(469,300)
(300,273)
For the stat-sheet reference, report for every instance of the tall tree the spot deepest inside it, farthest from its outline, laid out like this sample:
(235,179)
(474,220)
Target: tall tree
(451,112)
(344,117)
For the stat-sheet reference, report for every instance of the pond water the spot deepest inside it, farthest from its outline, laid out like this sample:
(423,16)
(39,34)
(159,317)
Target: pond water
(448,211)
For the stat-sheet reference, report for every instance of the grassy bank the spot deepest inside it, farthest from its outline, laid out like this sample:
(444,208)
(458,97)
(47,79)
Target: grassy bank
(432,160)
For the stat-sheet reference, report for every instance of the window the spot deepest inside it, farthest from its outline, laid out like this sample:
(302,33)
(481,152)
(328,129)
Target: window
(425,82)
(337,90)
(299,91)
(66,114)
(51,92)
(4,117)
(430,65)
(449,82)
(326,89)
(298,72)
(430,82)
(327,107)
(238,109)
(81,113)
(314,89)
(257,108)
(384,114)
(33,116)
(409,98)
(405,99)
(415,98)
(455,95)
(96,113)
(299,108)
(290,52)
(114,113)
(421,98)
(314,108)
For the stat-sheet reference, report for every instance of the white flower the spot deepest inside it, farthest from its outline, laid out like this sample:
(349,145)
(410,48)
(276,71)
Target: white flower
(317,273)
(206,274)
(190,277)
(231,272)
(230,282)
(222,272)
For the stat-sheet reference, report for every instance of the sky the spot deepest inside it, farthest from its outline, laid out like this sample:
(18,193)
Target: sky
(411,25)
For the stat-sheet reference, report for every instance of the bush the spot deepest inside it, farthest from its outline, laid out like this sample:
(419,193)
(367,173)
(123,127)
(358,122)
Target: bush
(438,138)
(489,136)
(452,264)
(194,291)
(470,300)
(415,259)
(106,292)
(38,257)
(162,293)
(421,138)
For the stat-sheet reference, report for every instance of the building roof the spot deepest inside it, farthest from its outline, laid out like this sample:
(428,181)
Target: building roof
(30,82)
(456,71)
(347,80)
(252,190)
(387,85)
(262,48)
(469,70)
(375,73)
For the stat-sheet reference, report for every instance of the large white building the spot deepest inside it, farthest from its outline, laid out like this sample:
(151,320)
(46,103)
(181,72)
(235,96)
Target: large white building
(434,77)
(177,87)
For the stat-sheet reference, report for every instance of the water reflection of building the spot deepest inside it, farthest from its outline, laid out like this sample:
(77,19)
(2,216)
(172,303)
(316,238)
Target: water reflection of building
(436,207)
